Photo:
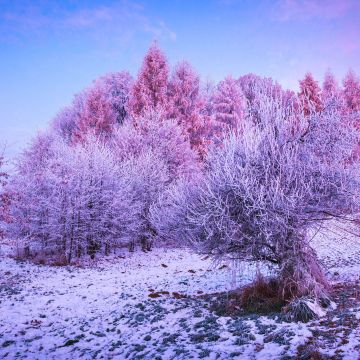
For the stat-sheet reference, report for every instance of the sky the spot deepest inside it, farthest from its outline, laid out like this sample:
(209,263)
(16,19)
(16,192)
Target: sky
(50,50)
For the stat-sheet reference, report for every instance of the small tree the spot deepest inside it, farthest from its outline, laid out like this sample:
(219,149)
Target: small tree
(142,179)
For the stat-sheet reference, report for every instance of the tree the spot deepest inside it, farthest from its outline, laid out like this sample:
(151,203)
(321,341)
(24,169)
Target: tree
(116,89)
(5,199)
(150,88)
(351,91)
(261,193)
(64,207)
(185,102)
(331,95)
(97,109)
(153,133)
(310,95)
(143,179)
(229,104)
(65,122)
(98,116)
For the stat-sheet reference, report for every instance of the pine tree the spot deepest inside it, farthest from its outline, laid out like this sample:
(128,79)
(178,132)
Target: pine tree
(310,95)
(150,88)
(97,117)
(185,102)
(352,91)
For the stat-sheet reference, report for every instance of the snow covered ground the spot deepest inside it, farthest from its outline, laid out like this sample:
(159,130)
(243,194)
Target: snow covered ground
(152,306)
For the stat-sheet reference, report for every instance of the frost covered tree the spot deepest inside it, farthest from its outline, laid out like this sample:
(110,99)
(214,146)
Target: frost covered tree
(262,193)
(5,198)
(89,197)
(255,88)
(351,91)
(310,94)
(97,118)
(331,95)
(229,104)
(150,88)
(97,109)
(64,199)
(185,102)
(116,89)
(152,132)
(142,179)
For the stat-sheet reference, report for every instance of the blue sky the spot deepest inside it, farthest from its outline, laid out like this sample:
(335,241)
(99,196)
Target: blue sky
(49,50)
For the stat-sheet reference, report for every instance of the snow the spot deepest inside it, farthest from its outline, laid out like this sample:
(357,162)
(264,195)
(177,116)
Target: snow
(103,308)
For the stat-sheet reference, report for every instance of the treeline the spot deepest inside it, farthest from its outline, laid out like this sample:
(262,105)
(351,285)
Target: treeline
(112,167)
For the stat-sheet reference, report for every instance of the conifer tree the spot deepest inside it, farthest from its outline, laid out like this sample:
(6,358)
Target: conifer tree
(310,94)
(150,88)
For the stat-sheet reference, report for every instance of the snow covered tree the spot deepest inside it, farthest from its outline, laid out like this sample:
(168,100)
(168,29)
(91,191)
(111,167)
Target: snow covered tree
(63,206)
(141,181)
(262,193)
(331,95)
(65,122)
(98,116)
(351,91)
(310,95)
(5,198)
(185,102)
(153,133)
(116,89)
(98,109)
(229,104)
(150,88)
(255,88)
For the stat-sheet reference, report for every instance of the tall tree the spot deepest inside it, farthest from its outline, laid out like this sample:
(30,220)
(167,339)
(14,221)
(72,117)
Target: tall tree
(310,94)
(150,88)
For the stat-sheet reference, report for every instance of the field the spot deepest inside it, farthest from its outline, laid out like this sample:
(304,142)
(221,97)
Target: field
(159,305)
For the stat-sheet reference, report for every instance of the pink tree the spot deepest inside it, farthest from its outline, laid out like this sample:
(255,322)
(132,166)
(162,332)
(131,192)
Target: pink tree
(352,91)
(150,88)
(310,94)
(97,117)
(185,102)
(229,103)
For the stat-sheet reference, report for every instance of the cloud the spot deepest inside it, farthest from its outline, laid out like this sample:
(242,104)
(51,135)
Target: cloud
(288,10)
(119,20)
